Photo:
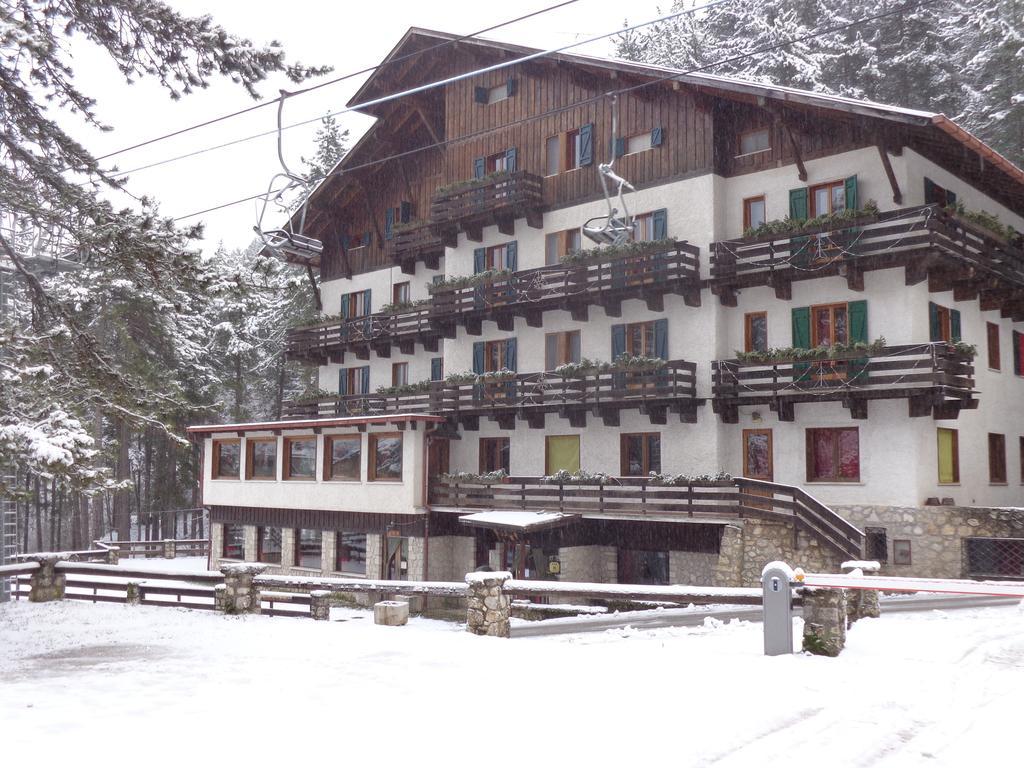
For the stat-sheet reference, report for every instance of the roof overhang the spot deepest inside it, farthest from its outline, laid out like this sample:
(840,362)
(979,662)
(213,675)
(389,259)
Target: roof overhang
(397,419)
(518,521)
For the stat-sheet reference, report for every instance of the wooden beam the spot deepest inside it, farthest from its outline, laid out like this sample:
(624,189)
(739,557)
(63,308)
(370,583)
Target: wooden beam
(370,214)
(801,170)
(315,288)
(897,196)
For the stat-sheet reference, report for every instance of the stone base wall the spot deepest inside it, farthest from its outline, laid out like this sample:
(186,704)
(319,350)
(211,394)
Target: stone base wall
(374,555)
(596,564)
(216,543)
(692,568)
(451,558)
(416,570)
(935,534)
(765,541)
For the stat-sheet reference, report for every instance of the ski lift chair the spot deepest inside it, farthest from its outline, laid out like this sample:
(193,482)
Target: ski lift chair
(613,229)
(294,246)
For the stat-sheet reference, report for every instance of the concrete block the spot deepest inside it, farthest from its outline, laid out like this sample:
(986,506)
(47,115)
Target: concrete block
(391,613)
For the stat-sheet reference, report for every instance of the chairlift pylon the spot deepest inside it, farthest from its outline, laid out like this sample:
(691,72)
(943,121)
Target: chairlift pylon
(288,241)
(616,228)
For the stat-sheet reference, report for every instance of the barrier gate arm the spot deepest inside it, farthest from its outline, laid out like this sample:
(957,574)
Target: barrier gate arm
(910,584)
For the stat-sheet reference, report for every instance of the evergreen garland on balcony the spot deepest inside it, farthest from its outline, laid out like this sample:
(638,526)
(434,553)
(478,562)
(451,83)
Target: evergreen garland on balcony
(987,221)
(579,477)
(788,226)
(797,354)
(610,253)
(473,478)
(624,362)
(468,281)
(654,478)
(459,186)
(414,388)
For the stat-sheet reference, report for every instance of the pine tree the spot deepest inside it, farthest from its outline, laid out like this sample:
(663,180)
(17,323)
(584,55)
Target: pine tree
(330,148)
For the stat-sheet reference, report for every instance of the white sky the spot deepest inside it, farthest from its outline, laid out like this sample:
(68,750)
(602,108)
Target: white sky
(348,36)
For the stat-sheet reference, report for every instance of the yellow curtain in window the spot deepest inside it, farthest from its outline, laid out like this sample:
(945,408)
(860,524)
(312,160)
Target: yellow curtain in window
(948,470)
(563,453)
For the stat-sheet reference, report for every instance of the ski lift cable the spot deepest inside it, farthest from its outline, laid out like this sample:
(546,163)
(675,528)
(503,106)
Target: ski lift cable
(590,100)
(436,84)
(334,81)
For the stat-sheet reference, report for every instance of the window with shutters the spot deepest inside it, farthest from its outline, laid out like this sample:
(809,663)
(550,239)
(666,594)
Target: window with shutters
(833,455)
(640,339)
(569,150)
(354,381)
(494,455)
(261,458)
(560,244)
(755,332)
(828,198)
(399,374)
(996,458)
(497,93)
(992,336)
(495,356)
(643,227)
(830,325)
(497,257)
(355,304)
(227,463)
(573,150)
(757,140)
(343,457)
(300,458)
(640,454)
(400,293)
(561,348)
(753,212)
(876,544)
(943,323)
(949,455)
(639,143)
(497,162)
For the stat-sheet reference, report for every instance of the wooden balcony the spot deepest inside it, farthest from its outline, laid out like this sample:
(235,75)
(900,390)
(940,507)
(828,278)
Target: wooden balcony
(929,243)
(418,242)
(648,275)
(531,397)
(934,378)
(640,499)
(499,199)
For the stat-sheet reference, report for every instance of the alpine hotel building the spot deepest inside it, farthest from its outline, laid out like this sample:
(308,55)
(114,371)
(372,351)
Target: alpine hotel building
(812,349)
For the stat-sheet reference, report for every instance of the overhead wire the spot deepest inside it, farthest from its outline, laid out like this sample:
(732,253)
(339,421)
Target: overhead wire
(333,81)
(675,75)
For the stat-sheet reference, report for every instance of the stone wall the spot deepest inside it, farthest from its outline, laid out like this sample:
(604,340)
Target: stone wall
(692,568)
(451,558)
(374,555)
(216,543)
(596,564)
(415,567)
(936,534)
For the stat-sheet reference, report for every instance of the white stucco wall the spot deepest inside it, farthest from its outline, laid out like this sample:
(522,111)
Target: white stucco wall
(393,497)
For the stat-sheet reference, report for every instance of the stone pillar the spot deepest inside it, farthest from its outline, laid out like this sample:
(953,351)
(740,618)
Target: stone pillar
(824,620)
(113,555)
(169,548)
(132,594)
(487,606)
(240,595)
(729,570)
(46,582)
(861,603)
(320,605)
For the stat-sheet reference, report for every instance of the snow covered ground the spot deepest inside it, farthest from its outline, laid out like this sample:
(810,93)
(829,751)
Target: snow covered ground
(109,684)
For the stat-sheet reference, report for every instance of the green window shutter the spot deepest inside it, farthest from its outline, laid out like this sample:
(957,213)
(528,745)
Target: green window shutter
(798,205)
(389,223)
(345,305)
(659,219)
(510,355)
(657,136)
(934,326)
(857,311)
(801,327)
(511,86)
(479,260)
(510,159)
(1018,349)
(661,338)
(931,195)
(367,306)
(342,382)
(479,168)
(365,371)
(480,95)
(619,147)
(406,212)
(851,193)
(436,368)
(954,325)
(512,255)
(478,357)
(618,340)
(587,144)
(366,238)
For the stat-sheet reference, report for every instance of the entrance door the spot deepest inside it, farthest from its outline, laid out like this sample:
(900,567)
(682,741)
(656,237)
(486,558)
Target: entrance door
(396,560)
(757,461)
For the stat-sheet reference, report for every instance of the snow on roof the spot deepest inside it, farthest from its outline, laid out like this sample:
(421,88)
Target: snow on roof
(340,421)
(517,519)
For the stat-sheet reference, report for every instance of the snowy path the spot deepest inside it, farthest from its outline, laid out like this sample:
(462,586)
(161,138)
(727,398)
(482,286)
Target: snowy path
(167,686)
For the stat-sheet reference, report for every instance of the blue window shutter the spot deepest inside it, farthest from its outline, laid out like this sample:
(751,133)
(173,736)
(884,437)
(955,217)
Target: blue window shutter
(954,325)
(366,238)
(656,137)
(510,87)
(850,187)
(1017,353)
(406,211)
(344,305)
(365,372)
(587,144)
(479,164)
(345,242)
(934,326)
(478,357)
(512,251)
(660,221)
(342,381)
(389,223)
(510,159)
(367,306)
(480,95)
(618,340)
(436,368)
(479,260)
(661,338)
(510,355)
(620,147)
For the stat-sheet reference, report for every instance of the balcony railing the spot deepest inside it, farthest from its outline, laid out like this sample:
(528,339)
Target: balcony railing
(418,242)
(936,378)
(647,274)
(530,396)
(913,238)
(499,199)
(639,498)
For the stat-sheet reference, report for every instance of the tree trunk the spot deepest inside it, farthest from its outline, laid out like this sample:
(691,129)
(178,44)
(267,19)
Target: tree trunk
(121,504)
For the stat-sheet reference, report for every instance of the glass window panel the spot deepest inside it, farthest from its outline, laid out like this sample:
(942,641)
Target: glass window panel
(758,458)
(823,454)
(264,458)
(653,454)
(755,212)
(838,198)
(302,458)
(754,141)
(233,547)
(309,549)
(574,347)
(551,254)
(849,454)
(820,201)
(634,455)
(270,545)
(346,455)
(351,553)
(551,154)
(823,325)
(387,458)
(638,143)
(841,325)
(758,332)
(228,459)
(574,240)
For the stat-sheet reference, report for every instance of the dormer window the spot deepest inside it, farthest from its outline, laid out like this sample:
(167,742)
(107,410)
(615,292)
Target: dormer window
(758,140)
